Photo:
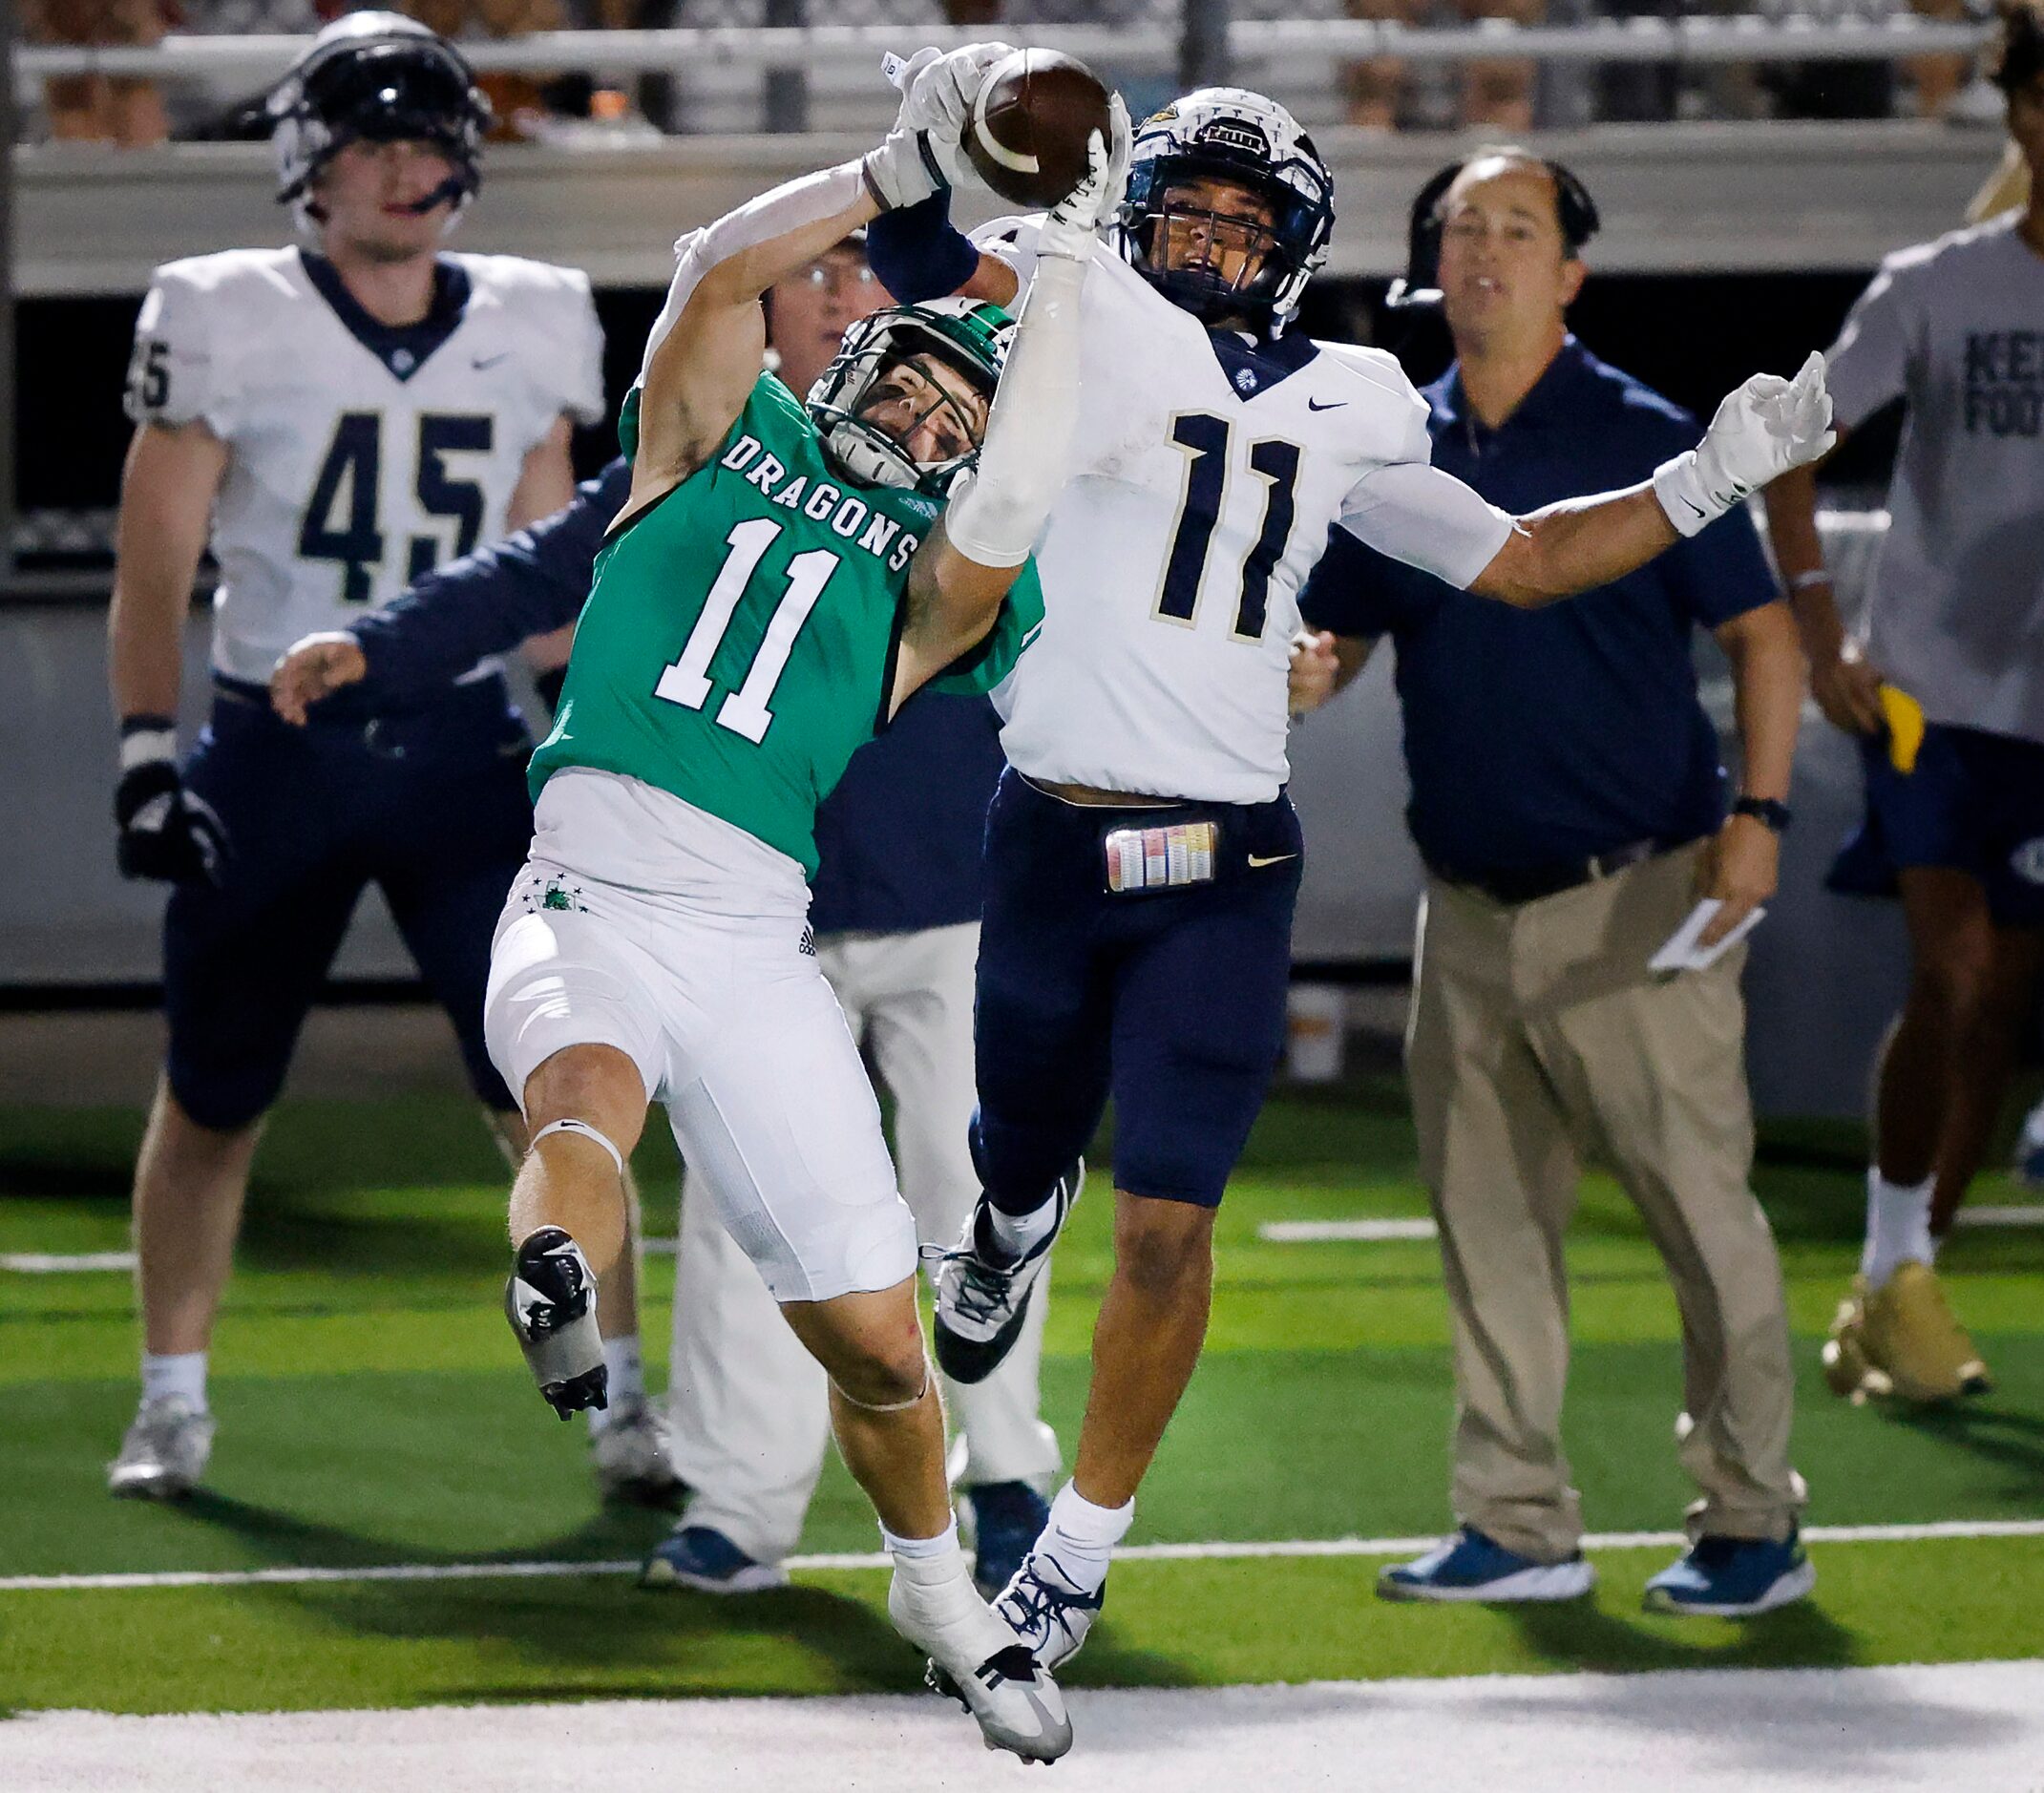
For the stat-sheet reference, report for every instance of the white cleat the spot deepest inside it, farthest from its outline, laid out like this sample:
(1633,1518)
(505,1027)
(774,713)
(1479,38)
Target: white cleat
(1048,1611)
(164,1452)
(974,1658)
(982,1297)
(629,1454)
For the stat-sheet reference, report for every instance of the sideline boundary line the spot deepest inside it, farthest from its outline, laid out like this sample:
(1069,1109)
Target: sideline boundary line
(291,1575)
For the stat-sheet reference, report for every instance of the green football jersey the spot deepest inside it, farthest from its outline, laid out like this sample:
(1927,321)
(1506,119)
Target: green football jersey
(739,641)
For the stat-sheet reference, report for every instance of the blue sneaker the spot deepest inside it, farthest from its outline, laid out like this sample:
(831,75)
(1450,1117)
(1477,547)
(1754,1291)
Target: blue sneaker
(705,1559)
(1732,1577)
(1007,1518)
(1471,1567)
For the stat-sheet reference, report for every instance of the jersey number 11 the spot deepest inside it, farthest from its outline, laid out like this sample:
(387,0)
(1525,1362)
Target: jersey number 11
(686,681)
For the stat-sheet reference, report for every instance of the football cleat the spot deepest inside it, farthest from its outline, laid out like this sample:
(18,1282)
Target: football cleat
(164,1452)
(629,1454)
(702,1558)
(1007,1518)
(1732,1578)
(982,1295)
(1048,1610)
(1470,1566)
(1903,1340)
(550,1304)
(976,1660)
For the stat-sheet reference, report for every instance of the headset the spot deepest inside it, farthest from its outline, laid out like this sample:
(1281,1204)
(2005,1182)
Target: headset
(1420,285)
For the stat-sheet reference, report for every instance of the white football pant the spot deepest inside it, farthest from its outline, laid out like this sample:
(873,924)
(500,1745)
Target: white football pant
(748,1404)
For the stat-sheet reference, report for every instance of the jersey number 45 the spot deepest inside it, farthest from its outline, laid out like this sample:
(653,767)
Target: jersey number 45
(342,520)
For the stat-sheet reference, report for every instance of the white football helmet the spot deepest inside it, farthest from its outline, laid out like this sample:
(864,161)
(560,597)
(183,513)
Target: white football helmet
(1230,134)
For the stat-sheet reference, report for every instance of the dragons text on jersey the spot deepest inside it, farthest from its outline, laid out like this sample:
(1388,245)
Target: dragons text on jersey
(739,643)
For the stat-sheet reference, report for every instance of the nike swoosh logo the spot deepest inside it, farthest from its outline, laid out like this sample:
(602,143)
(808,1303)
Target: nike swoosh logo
(1276,858)
(491,361)
(1696,507)
(1333,404)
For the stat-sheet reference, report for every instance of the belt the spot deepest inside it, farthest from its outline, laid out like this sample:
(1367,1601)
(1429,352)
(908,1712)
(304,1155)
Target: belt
(1525,884)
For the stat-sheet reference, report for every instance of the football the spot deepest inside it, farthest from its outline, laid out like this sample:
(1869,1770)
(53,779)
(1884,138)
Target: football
(1029,125)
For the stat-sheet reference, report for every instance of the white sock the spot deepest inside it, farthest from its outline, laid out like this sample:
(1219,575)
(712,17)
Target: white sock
(1081,1536)
(1898,1227)
(927,1559)
(182,1372)
(1018,1235)
(626,1384)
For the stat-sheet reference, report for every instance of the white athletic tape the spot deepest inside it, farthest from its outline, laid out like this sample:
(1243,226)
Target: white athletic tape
(887,1406)
(1219,1550)
(1000,153)
(585,1131)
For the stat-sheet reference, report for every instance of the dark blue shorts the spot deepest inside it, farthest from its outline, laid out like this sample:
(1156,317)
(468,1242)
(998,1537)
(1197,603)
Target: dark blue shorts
(430,806)
(1172,1002)
(1973,803)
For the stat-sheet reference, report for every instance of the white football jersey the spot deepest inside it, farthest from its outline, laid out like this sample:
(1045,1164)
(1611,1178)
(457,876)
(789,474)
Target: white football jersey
(360,456)
(1208,471)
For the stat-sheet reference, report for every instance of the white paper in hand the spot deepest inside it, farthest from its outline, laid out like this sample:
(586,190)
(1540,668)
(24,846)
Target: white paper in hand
(1682,953)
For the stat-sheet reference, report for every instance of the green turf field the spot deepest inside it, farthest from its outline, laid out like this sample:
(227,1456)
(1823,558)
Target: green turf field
(373,1411)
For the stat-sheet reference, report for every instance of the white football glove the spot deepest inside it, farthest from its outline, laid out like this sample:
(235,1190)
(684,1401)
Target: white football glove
(1071,227)
(1762,430)
(921,152)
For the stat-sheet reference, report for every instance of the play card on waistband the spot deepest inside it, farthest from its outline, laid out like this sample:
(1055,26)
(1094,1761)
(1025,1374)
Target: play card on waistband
(1682,953)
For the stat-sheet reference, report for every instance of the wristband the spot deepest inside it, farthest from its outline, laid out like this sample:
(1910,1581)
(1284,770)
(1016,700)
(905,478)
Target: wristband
(144,739)
(1815,576)
(1770,812)
(1679,487)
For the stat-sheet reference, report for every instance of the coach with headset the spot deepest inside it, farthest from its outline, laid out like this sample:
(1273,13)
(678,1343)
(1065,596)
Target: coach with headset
(1569,801)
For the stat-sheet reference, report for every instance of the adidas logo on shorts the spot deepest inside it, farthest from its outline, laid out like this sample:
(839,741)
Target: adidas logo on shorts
(809,941)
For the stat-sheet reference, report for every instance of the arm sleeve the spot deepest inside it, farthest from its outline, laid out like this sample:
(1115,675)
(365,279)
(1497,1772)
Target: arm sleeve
(488,602)
(773,213)
(1868,366)
(174,376)
(918,253)
(1415,513)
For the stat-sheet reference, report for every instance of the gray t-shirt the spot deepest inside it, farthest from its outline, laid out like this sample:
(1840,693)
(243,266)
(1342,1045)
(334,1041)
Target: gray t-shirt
(1956,328)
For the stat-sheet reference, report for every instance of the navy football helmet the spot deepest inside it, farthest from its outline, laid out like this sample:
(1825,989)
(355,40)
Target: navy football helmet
(1230,134)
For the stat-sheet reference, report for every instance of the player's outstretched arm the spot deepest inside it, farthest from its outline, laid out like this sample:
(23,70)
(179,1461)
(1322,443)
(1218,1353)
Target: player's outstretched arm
(1768,426)
(704,353)
(962,572)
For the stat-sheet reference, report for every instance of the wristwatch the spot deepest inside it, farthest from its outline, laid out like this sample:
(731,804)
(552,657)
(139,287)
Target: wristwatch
(1768,811)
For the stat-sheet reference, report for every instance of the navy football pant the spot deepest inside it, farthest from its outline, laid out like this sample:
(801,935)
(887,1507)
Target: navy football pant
(1172,1001)
(430,806)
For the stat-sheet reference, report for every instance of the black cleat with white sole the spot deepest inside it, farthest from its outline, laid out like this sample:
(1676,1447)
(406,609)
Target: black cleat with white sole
(550,1304)
(982,1295)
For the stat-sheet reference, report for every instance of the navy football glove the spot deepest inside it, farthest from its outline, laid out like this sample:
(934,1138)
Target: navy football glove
(166,831)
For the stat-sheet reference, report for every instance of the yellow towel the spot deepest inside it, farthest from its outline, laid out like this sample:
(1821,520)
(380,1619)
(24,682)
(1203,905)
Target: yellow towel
(1905,727)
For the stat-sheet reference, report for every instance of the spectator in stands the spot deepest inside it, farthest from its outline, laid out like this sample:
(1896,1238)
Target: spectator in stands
(1567,799)
(1493,94)
(99,108)
(1944,684)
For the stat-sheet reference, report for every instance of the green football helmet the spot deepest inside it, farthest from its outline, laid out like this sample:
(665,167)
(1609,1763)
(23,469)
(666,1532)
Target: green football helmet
(962,334)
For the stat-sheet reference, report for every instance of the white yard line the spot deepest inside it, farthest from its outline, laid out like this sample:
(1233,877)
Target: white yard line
(292,1574)
(64,1263)
(1331,1232)
(1974,1725)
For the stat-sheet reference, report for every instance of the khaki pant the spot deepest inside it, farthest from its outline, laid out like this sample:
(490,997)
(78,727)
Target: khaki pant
(1537,1032)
